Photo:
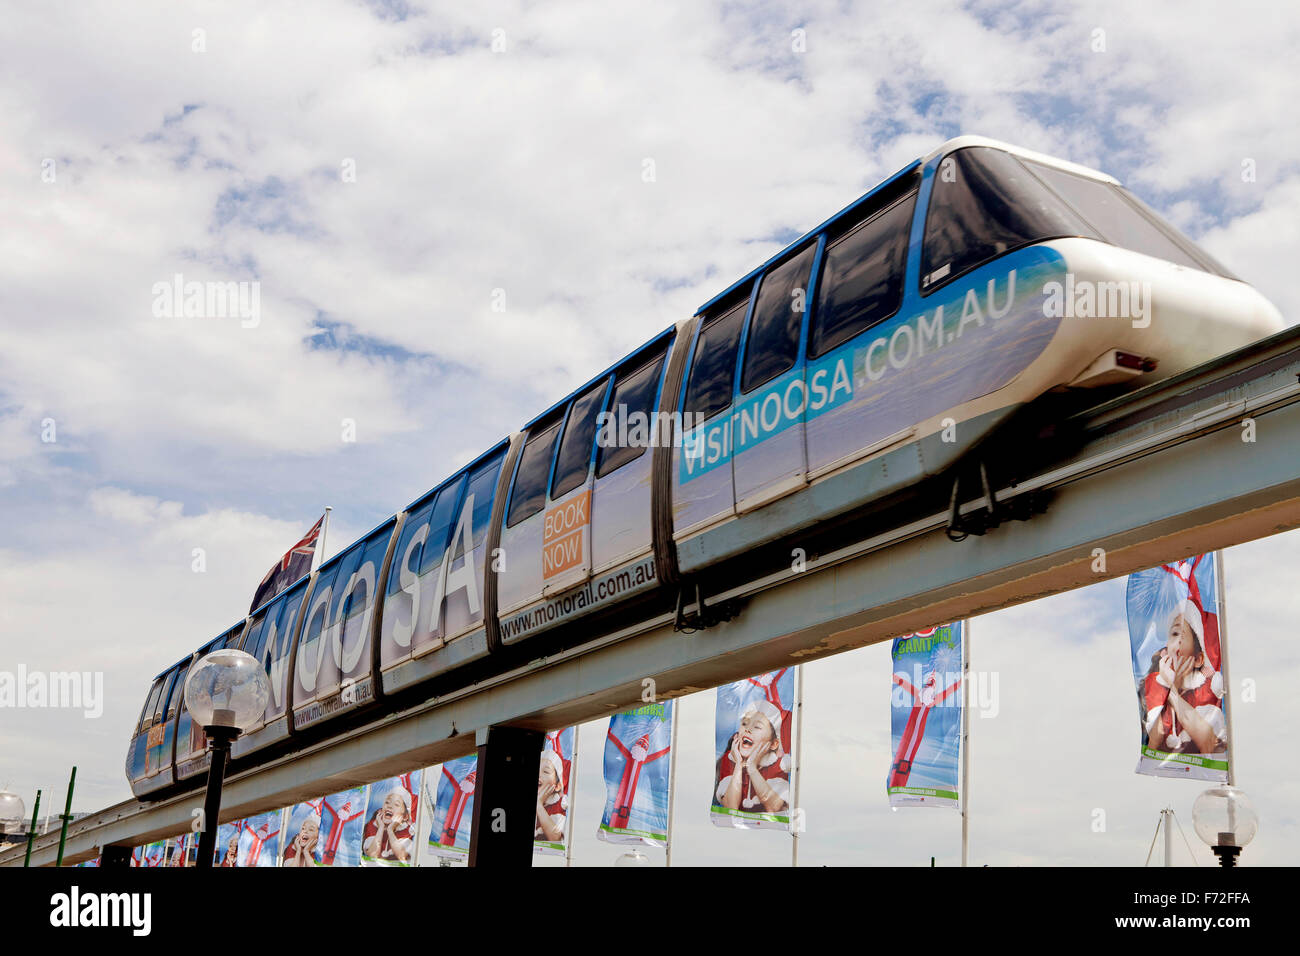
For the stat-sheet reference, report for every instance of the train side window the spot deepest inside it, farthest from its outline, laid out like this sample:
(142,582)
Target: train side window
(862,277)
(773,343)
(178,692)
(255,639)
(713,371)
(574,460)
(150,704)
(442,520)
(985,204)
(483,486)
(529,494)
(633,402)
(161,704)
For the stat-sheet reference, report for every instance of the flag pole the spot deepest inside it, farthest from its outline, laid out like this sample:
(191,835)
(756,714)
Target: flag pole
(66,817)
(572,794)
(320,545)
(672,779)
(796,811)
(1222,601)
(1165,814)
(286,818)
(420,812)
(31,830)
(965,741)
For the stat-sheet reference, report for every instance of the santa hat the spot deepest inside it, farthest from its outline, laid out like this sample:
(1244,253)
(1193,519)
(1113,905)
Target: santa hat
(405,796)
(1192,615)
(767,709)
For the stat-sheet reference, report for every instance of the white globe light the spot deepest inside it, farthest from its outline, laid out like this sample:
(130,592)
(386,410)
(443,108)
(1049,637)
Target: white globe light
(12,810)
(228,688)
(1224,816)
(633,858)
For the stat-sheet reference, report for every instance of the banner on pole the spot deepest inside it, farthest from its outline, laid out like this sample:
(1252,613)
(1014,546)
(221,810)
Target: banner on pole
(342,818)
(925,718)
(553,786)
(259,839)
(388,838)
(637,761)
(228,843)
(454,810)
(179,851)
(153,854)
(753,752)
(1177,658)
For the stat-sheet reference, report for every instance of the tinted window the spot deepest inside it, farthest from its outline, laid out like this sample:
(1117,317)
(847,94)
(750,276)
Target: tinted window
(773,343)
(161,705)
(862,277)
(255,637)
(483,486)
(534,469)
(276,637)
(713,372)
(1118,221)
(415,522)
(634,397)
(574,461)
(1207,261)
(178,692)
(366,562)
(150,704)
(441,522)
(984,204)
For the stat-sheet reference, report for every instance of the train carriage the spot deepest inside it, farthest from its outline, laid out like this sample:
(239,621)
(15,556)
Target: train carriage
(334,663)
(433,616)
(269,637)
(577,533)
(880,351)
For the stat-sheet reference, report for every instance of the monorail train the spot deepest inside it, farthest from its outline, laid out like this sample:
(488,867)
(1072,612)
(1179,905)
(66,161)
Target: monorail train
(871,360)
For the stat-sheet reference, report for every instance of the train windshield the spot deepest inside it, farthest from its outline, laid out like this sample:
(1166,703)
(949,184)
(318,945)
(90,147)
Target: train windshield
(1122,219)
(986,203)
(983,205)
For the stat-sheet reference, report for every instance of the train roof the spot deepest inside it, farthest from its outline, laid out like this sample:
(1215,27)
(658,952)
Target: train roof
(959,142)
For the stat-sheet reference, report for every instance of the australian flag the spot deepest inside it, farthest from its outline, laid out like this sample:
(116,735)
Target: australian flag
(295,563)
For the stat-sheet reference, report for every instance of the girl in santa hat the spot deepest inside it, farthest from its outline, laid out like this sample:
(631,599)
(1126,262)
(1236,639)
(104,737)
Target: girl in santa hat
(232,851)
(388,833)
(754,773)
(552,803)
(1190,719)
(302,850)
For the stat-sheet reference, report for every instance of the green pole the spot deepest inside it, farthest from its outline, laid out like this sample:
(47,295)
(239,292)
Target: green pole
(31,831)
(66,816)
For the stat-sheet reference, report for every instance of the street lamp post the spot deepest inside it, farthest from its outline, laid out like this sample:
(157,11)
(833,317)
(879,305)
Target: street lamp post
(1226,820)
(226,693)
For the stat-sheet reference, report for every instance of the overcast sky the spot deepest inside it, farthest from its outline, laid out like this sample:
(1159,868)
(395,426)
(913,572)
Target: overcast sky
(133,149)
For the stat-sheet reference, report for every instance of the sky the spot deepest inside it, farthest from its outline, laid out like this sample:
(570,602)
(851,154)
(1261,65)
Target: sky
(456,214)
